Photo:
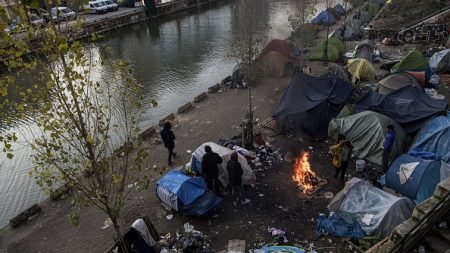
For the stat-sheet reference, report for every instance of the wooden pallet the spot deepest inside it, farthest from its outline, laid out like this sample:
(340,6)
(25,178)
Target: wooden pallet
(267,123)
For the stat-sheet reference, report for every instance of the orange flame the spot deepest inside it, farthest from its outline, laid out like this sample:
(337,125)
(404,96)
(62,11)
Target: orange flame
(303,173)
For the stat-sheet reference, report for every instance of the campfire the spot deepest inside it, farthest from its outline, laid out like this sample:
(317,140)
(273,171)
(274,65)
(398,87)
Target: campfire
(305,178)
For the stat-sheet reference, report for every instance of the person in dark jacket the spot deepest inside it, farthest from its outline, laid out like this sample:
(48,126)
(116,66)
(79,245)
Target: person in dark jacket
(235,172)
(168,139)
(210,161)
(388,143)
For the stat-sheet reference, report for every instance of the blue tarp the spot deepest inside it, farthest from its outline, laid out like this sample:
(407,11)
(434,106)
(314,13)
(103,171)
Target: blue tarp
(187,189)
(426,155)
(324,18)
(409,106)
(434,137)
(341,225)
(422,182)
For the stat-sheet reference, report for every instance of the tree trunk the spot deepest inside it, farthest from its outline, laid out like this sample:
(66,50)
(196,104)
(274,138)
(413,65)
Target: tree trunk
(119,240)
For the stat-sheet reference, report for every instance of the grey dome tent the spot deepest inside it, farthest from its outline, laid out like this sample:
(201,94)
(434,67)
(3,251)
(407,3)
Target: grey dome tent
(440,61)
(309,103)
(364,50)
(354,29)
(366,130)
(337,70)
(409,106)
(396,81)
(377,211)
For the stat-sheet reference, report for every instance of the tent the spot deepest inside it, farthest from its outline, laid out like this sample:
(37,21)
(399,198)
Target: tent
(335,50)
(337,70)
(416,178)
(309,103)
(324,18)
(440,61)
(280,46)
(363,16)
(366,130)
(272,64)
(355,26)
(396,81)
(414,61)
(185,194)
(372,9)
(409,106)
(434,137)
(339,10)
(377,211)
(364,50)
(248,176)
(361,70)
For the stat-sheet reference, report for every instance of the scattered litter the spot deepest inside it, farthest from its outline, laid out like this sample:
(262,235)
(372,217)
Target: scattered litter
(188,227)
(328,195)
(278,235)
(107,223)
(189,151)
(130,186)
(261,195)
(169,217)
(310,147)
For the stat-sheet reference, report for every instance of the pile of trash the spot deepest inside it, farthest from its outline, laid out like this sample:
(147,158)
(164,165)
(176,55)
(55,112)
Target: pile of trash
(189,241)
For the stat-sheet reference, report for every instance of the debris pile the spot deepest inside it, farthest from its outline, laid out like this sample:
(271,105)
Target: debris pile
(189,241)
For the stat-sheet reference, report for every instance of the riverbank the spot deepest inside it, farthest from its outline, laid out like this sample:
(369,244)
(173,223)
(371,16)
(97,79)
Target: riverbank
(276,201)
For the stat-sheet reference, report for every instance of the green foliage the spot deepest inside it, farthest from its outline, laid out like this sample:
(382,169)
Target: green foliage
(82,116)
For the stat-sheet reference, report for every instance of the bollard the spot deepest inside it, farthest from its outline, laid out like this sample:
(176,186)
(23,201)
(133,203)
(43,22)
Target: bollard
(185,108)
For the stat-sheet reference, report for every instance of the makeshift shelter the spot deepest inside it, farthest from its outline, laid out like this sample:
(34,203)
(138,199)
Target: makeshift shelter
(248,176)
(335,49)
(339,10)
(440,62)
(414,61)
(361,70)
(324,18)
(409,106)
(280,46)
(309,103)
(185,194)
(366,130)
(364,50)
(395,82)
(272,64)
(434,137)
(372,8)
(353,26)
(416,178)
(337,70)
(377,211)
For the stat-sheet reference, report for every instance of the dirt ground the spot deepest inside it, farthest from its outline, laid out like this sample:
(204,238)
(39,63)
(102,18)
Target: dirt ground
(275,200)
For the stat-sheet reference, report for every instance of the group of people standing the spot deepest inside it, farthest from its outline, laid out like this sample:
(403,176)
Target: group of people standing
(210,166)
(342,152)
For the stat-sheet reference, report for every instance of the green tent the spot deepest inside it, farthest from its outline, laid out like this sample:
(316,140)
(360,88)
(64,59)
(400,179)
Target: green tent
(372,9)
(366,130)
(335,50)
(414,61)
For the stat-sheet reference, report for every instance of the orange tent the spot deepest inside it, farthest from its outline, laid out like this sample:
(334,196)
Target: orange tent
(279,46)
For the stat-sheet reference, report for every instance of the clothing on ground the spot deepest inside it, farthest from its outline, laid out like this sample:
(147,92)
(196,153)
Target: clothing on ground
(342,225)
(389,140)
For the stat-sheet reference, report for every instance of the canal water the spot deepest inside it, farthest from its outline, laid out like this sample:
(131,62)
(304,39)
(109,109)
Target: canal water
(175,58)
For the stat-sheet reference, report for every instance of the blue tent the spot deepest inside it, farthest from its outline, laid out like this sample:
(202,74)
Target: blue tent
(408,106)
(434,137)
(186,194)
(339,9)
(324,18)
(421,183)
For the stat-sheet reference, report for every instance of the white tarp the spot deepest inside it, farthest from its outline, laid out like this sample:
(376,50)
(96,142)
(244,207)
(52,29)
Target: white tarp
(377,211)
(405,171)
(248,176)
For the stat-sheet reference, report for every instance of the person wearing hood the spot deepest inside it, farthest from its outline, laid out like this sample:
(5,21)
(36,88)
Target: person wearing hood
(210,170)
(235,172)
(168,139)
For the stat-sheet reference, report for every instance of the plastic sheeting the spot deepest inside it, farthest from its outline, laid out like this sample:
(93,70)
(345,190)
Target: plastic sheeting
(337,70)
(309,103)
(434,137)
(248,176)
(366,130)
(395,82)
(440,61)
(409,106)
(186,188)
(376,211)
(324,18)
(422,182)
(342,225)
